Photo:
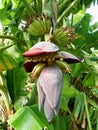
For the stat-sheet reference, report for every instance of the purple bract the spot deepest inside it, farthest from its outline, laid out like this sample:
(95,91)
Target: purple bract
(49,87)
(41,48)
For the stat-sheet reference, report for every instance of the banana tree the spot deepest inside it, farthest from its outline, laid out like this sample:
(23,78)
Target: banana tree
(40,86)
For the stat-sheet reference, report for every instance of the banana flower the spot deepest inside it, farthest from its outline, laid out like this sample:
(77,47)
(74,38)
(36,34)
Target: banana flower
(46,63)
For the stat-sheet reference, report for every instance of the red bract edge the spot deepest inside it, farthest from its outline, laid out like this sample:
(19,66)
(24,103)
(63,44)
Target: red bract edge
(33,52)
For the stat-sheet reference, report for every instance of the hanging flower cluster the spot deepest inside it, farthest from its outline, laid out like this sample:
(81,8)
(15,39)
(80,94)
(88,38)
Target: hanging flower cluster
(46,64)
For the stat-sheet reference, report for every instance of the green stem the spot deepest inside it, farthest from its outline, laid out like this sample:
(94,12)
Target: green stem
(20,40)
(5,47)
(57,123)
(28,8)
(87,113)
(32,95)
(67,10)
(91,102)
(97,123)
(62,5)
(72,19)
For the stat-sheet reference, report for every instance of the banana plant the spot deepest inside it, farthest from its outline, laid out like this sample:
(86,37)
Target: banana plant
(38,35)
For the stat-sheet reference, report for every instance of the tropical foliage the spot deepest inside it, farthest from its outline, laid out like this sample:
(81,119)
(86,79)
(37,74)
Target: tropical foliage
(73,33)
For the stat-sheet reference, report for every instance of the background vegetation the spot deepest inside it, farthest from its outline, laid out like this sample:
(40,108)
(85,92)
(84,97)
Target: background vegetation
(18,95)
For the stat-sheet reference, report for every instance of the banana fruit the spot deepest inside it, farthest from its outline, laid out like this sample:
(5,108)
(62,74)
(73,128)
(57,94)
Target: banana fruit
(37,70)
(63,65)
(60,37)
(39,27)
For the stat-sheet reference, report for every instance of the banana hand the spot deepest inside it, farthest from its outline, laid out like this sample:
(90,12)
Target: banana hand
(63,65)
(37,70)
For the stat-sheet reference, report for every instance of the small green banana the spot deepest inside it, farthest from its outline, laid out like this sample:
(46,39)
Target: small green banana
(32,30)
(63,65)
(37,23)
(39,27)
(43,25)
(37,70)
(60,37)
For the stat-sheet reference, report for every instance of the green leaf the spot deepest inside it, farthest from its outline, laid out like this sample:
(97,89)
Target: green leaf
(95,92)
(38,6)
(89,80)
(16,80)
(34,120)
(77,69)
(5,97)
(48,8)
(68,92)
(62,121)
(25,114)
(79,108)
(78,16)
(7,62)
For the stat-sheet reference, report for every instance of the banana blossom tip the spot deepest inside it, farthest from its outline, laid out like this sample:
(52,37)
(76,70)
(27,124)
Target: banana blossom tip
(49,76)
(49,86)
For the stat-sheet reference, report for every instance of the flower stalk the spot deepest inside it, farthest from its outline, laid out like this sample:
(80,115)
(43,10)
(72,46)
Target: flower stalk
(17,39)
